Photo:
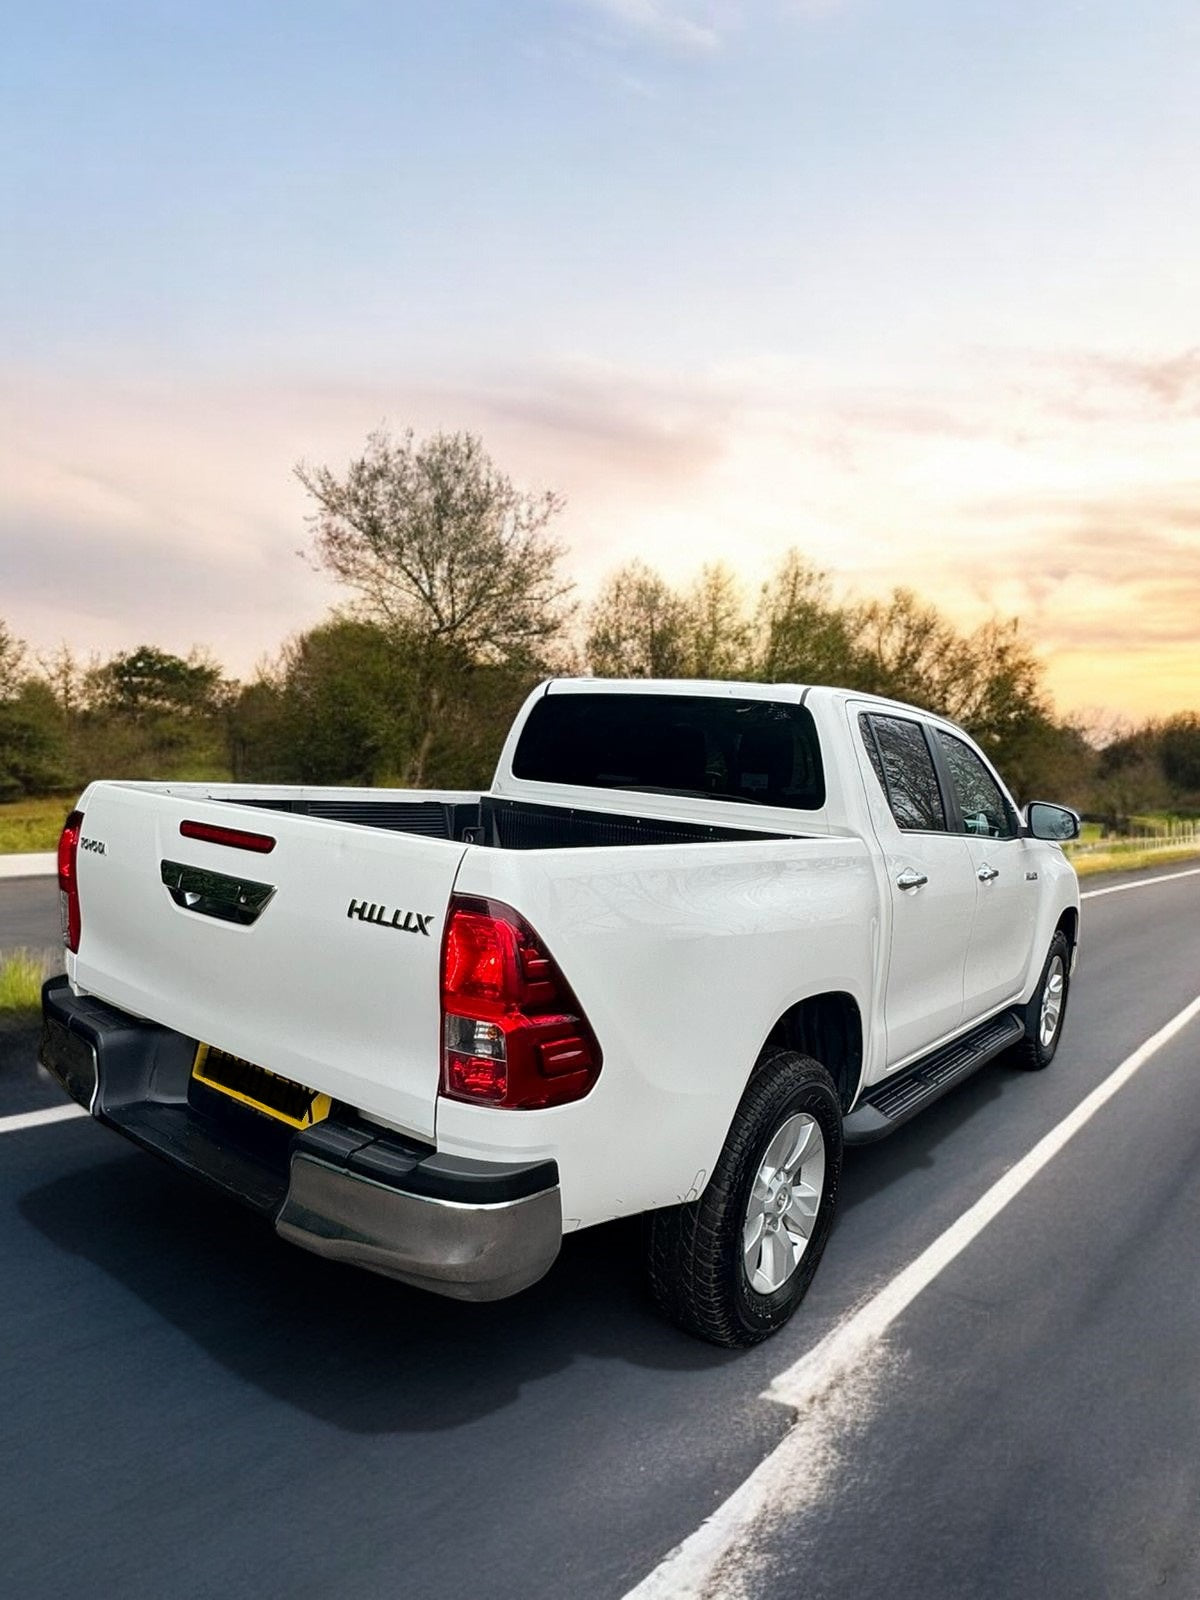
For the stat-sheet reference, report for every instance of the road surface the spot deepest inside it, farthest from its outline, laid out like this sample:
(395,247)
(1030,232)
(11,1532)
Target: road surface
(194,1408)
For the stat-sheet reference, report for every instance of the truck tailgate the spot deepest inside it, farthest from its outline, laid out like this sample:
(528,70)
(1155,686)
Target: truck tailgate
(343,1003)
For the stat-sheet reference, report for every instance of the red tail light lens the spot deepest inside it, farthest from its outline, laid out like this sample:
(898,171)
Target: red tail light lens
(68,882)
(513,1033)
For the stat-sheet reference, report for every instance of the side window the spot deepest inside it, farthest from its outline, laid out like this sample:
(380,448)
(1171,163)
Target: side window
(984,809)
(905,770)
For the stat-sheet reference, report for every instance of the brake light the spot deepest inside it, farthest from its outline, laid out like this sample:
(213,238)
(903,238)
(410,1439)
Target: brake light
(513,1033)
(68,881)
(236,838)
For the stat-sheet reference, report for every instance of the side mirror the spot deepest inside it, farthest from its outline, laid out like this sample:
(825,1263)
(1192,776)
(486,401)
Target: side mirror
(1056,823)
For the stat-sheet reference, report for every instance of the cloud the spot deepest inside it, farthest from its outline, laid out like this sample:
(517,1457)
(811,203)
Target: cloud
(691,26)
(1102,574)
(697,27)
(1092,385)
(1173,382)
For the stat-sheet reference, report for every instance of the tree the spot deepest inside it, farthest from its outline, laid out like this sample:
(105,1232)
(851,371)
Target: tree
(638,627)
(437,541)
(801,634)
(718,632)
(32,742)
(32,737)
(448,557)
(153,714)
(340,707)
(1042,759)
(906,650)
(1129,776)
(989,681)
(66,678)
(12,663)
(148,681)
(347,699)
(1179,753)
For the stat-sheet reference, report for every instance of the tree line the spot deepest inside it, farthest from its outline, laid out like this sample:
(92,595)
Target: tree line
(458,604)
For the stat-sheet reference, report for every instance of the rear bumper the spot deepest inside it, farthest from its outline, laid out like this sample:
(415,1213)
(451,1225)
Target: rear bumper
(345,1189)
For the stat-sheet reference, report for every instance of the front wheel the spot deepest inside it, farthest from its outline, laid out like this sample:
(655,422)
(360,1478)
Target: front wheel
(732,1266)
(1045,1013)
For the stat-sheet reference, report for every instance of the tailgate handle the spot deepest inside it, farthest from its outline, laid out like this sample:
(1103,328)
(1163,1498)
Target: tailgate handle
(216,894)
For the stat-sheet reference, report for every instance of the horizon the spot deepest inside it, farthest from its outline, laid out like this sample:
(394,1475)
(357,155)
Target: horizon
(911,290)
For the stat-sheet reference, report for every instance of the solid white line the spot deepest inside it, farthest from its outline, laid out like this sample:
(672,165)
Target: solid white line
(1140,883)
(698,1566)
(38,1119)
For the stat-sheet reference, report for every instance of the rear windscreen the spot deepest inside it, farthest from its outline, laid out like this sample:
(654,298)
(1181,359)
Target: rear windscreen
(761,751)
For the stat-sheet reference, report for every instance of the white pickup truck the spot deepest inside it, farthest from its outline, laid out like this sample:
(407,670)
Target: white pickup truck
(693,937)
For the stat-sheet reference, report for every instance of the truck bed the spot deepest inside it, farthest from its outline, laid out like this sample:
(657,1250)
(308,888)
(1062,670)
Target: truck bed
(503,824)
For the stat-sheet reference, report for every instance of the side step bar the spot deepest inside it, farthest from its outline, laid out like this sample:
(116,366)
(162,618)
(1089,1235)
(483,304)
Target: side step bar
(895,1100)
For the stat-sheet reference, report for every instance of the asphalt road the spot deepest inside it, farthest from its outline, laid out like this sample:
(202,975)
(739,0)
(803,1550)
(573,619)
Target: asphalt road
(193,1408)
(29,914)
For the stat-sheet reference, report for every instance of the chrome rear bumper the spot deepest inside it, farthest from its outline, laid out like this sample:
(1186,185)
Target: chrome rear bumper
(454,1247)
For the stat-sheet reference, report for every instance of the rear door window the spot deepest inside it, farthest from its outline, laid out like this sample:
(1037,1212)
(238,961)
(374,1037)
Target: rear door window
(761,752)
(904,767)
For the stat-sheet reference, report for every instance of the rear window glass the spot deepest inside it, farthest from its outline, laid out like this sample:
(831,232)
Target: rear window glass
(760,751)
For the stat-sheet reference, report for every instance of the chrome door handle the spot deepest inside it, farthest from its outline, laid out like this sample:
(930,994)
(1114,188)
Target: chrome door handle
(911,880)
(986,874)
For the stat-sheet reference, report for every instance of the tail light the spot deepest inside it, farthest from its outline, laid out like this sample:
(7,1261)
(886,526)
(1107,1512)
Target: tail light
(513,1034)
(68,881)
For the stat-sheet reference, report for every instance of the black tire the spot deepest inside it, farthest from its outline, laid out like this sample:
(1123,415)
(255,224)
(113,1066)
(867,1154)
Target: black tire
(694,1254)
(1033,1053)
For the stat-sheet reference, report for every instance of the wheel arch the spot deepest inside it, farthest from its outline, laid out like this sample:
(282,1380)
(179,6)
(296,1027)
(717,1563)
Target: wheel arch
(829,1028)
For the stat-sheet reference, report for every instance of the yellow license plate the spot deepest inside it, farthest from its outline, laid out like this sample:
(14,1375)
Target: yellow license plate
(261,1090)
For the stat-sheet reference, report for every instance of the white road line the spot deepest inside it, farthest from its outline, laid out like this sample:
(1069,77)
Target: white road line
(1140,883)
(703,1565)
(38,1119)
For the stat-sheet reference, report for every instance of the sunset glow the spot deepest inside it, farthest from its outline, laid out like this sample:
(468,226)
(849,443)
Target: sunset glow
(911,288)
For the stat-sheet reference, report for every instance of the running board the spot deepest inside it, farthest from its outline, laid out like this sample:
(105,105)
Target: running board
(897,1099)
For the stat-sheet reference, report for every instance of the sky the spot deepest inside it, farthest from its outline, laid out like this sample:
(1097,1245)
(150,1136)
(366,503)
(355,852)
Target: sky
(910,285)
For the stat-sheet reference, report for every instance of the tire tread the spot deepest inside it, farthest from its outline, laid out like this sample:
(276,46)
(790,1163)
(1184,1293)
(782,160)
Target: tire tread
(688,1246)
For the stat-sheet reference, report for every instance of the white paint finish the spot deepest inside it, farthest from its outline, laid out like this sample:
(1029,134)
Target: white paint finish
(822,1377)
(40,1119)
(35,864)
(683,958)
(1141,883)
(1006,907)
(931,931)
(340,1005)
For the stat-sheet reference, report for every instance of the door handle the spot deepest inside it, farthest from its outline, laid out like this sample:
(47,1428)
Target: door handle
(911,880)
(986,874)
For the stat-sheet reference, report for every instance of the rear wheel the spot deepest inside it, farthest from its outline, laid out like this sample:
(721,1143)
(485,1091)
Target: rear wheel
(1045,1013)
(732,1266)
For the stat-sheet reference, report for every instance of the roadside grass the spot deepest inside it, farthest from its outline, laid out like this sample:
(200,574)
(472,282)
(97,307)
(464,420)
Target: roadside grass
(1118,860)
(22,973)
(27,825)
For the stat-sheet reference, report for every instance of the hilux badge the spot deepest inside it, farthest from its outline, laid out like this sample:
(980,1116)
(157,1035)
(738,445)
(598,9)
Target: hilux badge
(404,921)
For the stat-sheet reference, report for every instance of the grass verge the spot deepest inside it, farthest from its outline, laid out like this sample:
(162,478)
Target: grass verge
(22,973)
(1132,860)
(28,825)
